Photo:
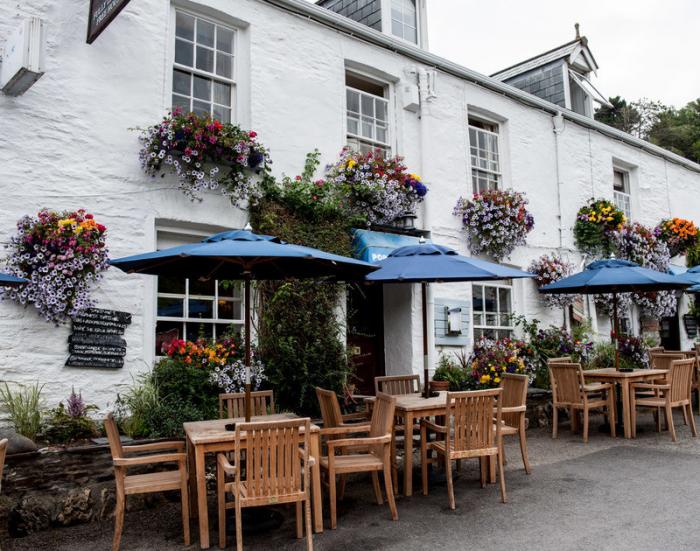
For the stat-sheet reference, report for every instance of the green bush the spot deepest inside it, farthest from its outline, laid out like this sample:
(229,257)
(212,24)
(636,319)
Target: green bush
(133,407)
(24,407)
(61,428)
(448,370)
(187,385)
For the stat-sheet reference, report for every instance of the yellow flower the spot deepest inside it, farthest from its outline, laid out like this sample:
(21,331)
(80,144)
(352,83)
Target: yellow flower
(497,380)
(351,163)
(66,222)
(485,379)
(415,177)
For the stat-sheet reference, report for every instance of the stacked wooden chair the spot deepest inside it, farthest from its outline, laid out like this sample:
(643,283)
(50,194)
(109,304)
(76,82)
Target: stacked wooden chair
(233,405)
(277,471)
(570,391)
(123,457)
(513,408)
(470,432)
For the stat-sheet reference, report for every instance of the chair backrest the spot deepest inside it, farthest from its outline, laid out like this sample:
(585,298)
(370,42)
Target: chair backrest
(560,360)
(330,408)
(567,381)
(272,461)
(395,385)
(471,415)
(663,360)
(115,443)
(382,422)
(3,451)
(655,349)
(233,405)
(681,378)
(514,395)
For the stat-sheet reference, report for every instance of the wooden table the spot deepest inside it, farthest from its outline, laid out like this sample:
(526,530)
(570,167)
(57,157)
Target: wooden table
(211,437)
(412,407)
(625,380)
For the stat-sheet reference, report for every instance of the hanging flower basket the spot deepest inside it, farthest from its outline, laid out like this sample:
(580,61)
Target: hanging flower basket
(594,222)
(548,269)
(496,221)
(204,154)
(379,188)
(678,233)
(61,254)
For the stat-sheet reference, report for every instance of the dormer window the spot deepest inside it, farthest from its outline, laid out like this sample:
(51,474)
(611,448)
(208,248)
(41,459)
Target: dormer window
(403,20)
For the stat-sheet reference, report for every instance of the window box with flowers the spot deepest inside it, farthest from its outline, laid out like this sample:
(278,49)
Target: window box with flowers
(679,234)
(205,154)
(62,254)
(594,223)
(379,188)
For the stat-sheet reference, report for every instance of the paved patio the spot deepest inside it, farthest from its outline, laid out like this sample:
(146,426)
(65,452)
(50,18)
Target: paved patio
(610,494)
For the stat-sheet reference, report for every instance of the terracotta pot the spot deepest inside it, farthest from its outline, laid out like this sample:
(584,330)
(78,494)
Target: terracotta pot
(437,386)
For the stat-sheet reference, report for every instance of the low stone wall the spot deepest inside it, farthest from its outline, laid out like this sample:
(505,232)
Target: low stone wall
(60,487)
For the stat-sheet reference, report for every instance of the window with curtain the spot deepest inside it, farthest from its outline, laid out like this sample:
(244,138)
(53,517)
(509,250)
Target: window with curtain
(484,155)
(367,114)
(492,308)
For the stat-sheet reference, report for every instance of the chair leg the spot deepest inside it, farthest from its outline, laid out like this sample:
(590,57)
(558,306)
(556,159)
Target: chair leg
(424,460)
(341,487)
(503,453)
(669,420)
(586,418)
(118,517)
(239,527)
(394,467)
(448,474)
(390,490)
(633,417)
(555,421)
(612,414)
(185,503)
(685,416)
(502,479)
(483,467)
(693,429)
(377,488)
(523,445)
(300,524)
(332,497)
(666,419)
(309,529)
(221,499)
(657,418)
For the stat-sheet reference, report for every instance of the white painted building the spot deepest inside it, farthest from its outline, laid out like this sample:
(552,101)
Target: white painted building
(290,70)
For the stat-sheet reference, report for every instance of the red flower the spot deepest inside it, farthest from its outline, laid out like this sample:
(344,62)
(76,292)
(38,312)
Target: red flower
(252,134)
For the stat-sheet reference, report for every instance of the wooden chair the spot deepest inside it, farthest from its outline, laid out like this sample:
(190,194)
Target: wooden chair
(674,392)
(469,433)
(395,385)
(513,408)
(277,464)
(146,483)
(696,379)
(560,360)
(233,405)
(570,391)
(367,454)
(3,452)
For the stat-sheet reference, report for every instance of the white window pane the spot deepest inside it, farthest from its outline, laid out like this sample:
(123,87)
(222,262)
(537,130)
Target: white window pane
(409,33)
(381,134)
(224,65)
(353,126)
(222,114)
(200,108)
(201,88)
(222,93)
(181,102)
(205,59)
(367,105)
(367,128)
(380,108)
(183,53)
(181,82)
(490,300)
(205,33)
(184,26)
(224,40)
(353,99)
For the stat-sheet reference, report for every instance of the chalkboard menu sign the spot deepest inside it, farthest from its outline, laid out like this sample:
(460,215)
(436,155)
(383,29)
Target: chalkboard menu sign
(97,339)
(101,14)
(691,326)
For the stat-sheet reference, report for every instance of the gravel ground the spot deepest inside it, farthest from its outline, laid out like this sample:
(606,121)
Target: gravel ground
(607,494)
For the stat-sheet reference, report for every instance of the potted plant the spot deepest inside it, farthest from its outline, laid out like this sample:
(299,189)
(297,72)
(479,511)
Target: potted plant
(448,375)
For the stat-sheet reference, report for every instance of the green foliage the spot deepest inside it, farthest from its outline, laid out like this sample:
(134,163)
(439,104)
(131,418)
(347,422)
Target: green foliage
(133,407)
(178,383)
(678,130)
(24,407)
(594,223)
(692,256)
(166,419)
(299,335)
(604,356)
(61,428)
(449,370)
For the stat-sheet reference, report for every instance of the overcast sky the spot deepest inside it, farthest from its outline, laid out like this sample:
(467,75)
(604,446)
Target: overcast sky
(645,48)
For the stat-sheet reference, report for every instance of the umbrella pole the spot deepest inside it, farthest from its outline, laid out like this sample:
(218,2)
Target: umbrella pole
(248,401)
(426,375)
(616,330)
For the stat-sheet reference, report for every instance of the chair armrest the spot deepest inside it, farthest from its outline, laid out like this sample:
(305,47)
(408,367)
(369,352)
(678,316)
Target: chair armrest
(651,386)
(155,446)
(224,463)
(357,416)
(432,426)
(148,459)
(514,409)
(310,460)
(345,429)
(369,441)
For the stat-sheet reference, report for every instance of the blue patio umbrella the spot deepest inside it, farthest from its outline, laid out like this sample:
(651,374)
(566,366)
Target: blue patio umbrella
(7,280)
(428,262)
(691,275)
(242,254)
(613,276)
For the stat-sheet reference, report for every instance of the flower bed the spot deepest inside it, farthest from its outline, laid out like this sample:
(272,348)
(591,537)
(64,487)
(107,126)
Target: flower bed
(594,222)
(205,154)
(62,254)
(379,188)
(492,358)
(548,269)
(496,221)
(679,234)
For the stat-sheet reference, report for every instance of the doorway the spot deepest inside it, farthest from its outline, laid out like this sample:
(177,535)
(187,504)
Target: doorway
(670,333)
(365,334)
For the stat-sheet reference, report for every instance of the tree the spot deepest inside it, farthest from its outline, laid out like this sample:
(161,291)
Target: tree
(618,114)
(678,130)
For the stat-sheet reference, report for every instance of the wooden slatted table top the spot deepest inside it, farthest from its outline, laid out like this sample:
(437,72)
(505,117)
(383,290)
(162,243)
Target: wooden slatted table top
(416,402)
(206,432)
(612,373)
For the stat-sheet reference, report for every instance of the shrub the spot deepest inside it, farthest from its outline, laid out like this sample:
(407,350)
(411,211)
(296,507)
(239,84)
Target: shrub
(191,387)
(24,407)
(633,354)
(133,407)
(450,371)
(61,427)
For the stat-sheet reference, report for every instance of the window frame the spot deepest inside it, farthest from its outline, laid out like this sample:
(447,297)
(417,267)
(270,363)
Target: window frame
(416,20)
(387,146)
(236,54)
(478,329)
(497,175)
(624,196)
